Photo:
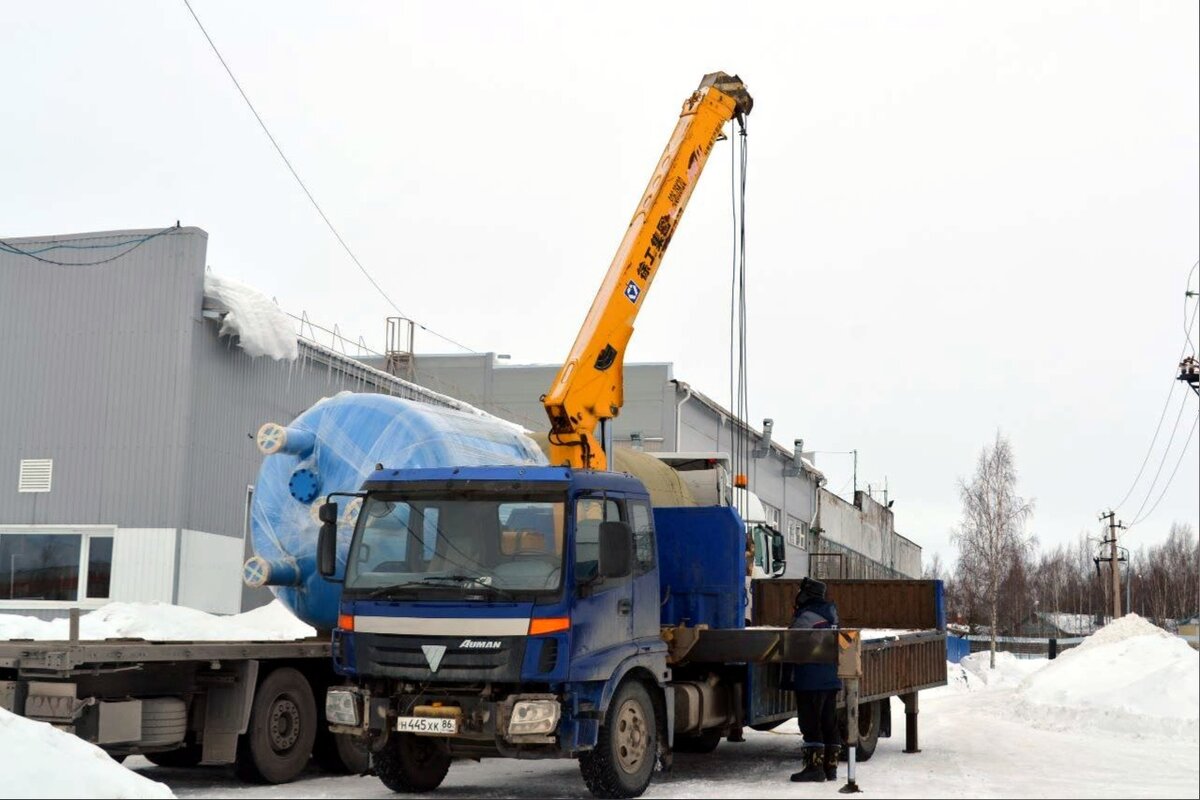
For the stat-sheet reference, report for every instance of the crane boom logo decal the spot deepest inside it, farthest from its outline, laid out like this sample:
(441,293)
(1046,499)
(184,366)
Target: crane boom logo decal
(632,291)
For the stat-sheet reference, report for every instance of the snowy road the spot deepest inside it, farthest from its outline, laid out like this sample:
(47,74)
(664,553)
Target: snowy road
(973,746)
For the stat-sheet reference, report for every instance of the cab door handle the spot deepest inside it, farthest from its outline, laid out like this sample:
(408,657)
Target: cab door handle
(624,606)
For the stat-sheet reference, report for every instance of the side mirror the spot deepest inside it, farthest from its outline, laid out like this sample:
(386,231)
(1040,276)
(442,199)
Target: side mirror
(616,549)
(778,554)
(327,540)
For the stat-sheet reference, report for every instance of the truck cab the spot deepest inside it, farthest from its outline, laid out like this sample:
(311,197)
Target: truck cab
(500,611)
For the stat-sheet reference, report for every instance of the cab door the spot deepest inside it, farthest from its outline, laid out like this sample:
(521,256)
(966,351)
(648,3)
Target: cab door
(602,617)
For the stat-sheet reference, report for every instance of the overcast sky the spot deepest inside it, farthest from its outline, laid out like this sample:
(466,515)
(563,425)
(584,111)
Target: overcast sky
(961,218)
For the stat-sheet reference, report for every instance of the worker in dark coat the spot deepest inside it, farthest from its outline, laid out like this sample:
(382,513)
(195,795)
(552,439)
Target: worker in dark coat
(816,687)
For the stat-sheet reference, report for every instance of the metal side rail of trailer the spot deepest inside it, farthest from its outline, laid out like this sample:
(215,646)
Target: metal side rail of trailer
(256,704)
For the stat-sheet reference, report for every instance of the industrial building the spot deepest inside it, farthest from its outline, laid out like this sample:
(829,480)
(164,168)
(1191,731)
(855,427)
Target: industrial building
(826,535)
(127,458)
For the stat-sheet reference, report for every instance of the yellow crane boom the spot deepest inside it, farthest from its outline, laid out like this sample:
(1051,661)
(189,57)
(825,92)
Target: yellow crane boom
(589,388)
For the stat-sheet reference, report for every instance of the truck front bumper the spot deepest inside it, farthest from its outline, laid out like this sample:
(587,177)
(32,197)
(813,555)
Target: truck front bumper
(515,721)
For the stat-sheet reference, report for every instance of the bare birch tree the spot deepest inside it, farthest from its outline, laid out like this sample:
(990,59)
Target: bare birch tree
(992,532)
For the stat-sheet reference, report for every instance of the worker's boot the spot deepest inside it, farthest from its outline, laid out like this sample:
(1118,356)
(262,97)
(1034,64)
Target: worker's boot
(831,759)
(814,768)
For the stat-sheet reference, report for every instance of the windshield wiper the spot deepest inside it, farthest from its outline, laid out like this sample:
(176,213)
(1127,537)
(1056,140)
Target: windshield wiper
(470,578)
(393,588)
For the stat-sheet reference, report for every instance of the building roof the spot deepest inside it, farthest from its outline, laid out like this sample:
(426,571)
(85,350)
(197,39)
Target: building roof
(789,455)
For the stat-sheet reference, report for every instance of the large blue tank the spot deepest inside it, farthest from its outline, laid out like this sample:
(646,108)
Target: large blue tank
(333,447)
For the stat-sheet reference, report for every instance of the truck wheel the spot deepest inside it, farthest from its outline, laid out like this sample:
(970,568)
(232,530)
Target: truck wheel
(283,726)
(625,752)
(703,742)
(186,756)
(411,763)
(868,730)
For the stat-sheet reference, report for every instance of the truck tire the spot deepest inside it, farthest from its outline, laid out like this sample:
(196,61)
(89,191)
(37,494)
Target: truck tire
(283,726)
(411,763)
(621,763)
(164,721)
(868,730)
(703,742)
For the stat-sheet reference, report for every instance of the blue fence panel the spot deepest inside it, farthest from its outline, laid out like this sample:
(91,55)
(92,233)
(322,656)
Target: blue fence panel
(957,648)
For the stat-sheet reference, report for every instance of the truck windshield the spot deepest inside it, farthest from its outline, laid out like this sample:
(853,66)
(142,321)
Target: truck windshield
(458,543)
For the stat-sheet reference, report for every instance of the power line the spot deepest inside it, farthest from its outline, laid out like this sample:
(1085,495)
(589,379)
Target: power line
(1187,295)
(1162,461)
(1170,391)
(1167,485)
(307,193)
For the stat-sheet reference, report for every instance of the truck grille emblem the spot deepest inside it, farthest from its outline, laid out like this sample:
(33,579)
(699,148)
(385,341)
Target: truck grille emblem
(433,655)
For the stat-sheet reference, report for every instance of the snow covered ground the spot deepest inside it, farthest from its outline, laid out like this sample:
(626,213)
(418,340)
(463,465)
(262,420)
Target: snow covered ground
(1117,718)
(42,761)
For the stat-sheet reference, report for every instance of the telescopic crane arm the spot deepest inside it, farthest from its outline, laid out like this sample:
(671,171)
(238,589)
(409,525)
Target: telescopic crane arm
(589,388)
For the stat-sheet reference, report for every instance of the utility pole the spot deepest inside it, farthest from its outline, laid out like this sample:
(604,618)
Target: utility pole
(1113,526)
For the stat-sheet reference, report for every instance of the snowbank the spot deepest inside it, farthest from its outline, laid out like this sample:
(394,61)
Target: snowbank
(164,622)
(975,671)
(1130,677)
(42,761)
(262,328)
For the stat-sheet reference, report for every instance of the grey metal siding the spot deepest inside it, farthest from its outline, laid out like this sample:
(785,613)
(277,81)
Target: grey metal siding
(95,360)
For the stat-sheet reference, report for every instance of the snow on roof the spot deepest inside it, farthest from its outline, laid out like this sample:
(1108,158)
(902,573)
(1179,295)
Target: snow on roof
(262,327)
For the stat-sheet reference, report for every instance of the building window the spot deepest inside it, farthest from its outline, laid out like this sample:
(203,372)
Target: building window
(63,566)
(772,515)
(797,533)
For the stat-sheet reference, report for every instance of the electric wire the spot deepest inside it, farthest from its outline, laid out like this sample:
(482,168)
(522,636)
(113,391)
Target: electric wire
(1187,295)
(1162,461)
(1166,403)
(1167,485)
(134,244)
(309,194)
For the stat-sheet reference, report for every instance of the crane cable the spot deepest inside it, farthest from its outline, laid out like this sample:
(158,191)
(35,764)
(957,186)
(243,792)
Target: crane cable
(738,383)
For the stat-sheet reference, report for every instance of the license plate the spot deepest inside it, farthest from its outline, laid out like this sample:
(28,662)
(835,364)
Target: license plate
(434,726)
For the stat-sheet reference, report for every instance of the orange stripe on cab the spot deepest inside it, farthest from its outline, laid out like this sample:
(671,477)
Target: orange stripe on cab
(549,625)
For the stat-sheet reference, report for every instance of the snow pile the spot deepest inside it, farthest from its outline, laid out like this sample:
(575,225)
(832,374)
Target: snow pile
(42,761)
(1130,677)
(975,671)
(262,328)
(1073,624)
(163,622)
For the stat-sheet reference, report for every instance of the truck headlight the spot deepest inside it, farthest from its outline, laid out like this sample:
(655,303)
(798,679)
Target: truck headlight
(533,716)
(342,707)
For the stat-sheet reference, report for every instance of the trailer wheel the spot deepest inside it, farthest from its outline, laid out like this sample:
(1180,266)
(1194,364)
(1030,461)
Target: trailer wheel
(868,730)
(623,759)
(411,763)
(283,727)
(703,742)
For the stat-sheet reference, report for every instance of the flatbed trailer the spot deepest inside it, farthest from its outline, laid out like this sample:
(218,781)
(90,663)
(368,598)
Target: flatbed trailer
(902,651)
(256,704)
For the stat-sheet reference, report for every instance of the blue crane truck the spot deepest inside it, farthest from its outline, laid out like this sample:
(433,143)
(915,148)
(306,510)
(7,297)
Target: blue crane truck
(552,612)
